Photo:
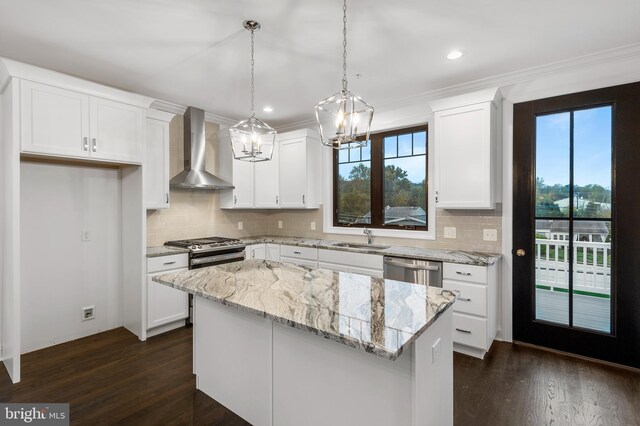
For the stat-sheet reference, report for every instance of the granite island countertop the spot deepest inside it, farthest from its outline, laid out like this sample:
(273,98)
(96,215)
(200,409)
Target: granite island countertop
(452,256)
(375,315)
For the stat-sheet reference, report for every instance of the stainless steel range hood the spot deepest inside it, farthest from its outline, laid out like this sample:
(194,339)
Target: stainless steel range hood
(194,176)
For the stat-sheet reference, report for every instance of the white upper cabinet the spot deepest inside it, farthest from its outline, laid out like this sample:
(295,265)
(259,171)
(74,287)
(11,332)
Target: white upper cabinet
(54,121)
(300,170)
(466,160)
(117,131)
(290,180)
(266,194)
(156,164)
(243,183)
(67,123)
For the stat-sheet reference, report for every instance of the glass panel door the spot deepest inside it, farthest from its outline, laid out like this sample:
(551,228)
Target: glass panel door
(573,211)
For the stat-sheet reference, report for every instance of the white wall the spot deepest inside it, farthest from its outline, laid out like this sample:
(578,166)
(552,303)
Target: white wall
(60,273)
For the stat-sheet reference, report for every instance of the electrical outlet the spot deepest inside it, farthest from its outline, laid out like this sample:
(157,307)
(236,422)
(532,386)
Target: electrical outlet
(240,226)
(435,351)
(279,224)
(88,312)
(449,232)
(490,234)
(313,226)
(85,236)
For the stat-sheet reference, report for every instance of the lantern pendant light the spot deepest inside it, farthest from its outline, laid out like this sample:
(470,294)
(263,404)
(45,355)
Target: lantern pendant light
(252,139)
(343,117)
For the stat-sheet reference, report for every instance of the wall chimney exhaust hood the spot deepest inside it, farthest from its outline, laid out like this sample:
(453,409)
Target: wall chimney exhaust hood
(194,176)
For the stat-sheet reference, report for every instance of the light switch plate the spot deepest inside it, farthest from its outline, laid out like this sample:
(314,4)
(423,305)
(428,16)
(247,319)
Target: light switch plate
(313,226)
(279,224)
(490,234)
(449,232)
(240,226)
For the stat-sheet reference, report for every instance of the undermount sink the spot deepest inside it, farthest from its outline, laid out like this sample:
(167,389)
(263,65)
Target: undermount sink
(360,246)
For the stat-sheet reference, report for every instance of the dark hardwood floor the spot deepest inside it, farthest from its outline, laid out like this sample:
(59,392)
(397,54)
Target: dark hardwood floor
(113,379)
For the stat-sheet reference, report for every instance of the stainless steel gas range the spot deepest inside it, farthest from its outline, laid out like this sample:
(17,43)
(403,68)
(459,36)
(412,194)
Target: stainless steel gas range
(209,251)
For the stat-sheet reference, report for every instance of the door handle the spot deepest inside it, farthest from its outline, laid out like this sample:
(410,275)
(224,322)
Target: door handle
(463,331)
(520,252)
(466,274)
(459,297)
(95,144)
(85,144)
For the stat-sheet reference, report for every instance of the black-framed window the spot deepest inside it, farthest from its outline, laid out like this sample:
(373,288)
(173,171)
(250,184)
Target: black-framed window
(385,184)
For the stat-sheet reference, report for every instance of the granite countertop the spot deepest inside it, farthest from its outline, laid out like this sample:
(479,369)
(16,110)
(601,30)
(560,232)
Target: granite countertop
(375,315)
(164,251)
(453,256)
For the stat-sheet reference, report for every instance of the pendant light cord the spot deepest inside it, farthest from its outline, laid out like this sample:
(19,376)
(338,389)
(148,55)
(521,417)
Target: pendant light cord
(344,45)
(253,109)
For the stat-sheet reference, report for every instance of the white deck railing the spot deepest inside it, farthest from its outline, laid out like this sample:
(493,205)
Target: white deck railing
(592,266)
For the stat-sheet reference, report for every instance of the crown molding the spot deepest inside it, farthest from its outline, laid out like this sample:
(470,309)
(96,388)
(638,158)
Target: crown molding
(180,109)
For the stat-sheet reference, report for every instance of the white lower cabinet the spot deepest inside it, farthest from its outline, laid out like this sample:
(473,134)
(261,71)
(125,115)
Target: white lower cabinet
(256,251)
(356,263)
(166,306)
(303,256)
(475,310)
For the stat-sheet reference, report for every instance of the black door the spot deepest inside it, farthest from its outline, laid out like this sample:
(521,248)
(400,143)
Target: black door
(576,223)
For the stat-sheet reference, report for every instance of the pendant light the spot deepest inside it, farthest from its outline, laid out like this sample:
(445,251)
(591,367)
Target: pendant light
(252,139)
(344,116)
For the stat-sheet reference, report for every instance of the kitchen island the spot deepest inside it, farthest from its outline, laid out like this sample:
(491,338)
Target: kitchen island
(386,357)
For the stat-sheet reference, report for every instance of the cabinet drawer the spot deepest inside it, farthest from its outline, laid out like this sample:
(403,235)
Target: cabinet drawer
(470,331)
(310,253)
(472,298)
(470,273)
(166,263)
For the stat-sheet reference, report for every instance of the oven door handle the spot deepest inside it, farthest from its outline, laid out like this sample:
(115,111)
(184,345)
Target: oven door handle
(220,257)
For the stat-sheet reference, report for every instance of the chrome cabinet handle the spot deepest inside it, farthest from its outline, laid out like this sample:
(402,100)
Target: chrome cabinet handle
(436,196)
(95,144)
(235,200)
(276,199)
(302,198)
(167,194)
(466,274)
(85,144)
(297,252)
(169,263)
(458,297)
(463,331)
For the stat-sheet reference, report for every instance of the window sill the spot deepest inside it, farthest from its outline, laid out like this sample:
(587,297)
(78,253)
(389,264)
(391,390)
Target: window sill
(389,233)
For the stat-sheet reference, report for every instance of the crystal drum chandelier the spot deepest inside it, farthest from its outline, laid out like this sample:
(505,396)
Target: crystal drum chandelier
(252,139)
(344,116)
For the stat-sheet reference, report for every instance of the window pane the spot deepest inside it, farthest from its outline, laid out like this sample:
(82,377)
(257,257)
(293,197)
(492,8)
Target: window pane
(405,191)
(343,156)
(354,193)
(354,154)
(404,145)
(592,275)
(420,143)
(552,165)
(592,162)
(366,151)
(552,271)
(390,146)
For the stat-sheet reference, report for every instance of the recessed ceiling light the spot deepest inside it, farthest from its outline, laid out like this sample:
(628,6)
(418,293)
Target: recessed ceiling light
(456,54)
(267,109)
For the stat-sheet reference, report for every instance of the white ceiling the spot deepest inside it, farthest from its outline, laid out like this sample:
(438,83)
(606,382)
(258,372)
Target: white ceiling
(195,52)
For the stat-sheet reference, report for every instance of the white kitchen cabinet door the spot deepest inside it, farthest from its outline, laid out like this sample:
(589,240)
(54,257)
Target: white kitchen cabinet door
(273,252)
(293,173)
(256,251)
(313,264)
(266,195)
(376,273)
(243,172)
(116,131)
(156,165)
(333,266)
(465,157)
(53,121)
(165,304)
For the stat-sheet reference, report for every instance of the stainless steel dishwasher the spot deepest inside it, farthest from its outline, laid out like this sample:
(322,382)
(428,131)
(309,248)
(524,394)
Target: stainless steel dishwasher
(413,271)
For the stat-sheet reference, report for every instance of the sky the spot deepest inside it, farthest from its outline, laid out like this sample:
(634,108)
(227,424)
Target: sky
(592,147)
